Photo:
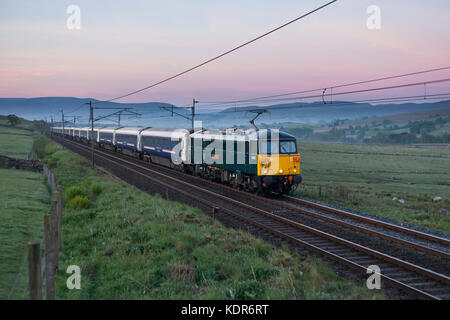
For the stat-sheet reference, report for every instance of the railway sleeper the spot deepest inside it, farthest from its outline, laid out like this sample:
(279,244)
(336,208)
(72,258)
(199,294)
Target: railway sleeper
(436,290)
(366,262)
(425,284)
(321,242)
(410,278)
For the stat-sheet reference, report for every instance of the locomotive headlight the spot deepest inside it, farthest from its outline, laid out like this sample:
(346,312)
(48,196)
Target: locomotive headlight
(281,170)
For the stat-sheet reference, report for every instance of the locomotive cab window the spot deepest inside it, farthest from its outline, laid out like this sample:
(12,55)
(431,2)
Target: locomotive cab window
(271,147)
(288,146)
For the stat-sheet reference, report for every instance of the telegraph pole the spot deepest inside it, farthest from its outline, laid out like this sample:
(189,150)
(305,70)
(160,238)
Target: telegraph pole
(91,110)
(193,112)
(62,114)
(51,132)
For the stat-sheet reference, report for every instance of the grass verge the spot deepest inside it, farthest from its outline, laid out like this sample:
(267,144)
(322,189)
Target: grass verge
(24,199)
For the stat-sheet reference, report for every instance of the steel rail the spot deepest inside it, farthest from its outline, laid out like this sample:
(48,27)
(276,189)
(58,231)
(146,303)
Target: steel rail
(372,221)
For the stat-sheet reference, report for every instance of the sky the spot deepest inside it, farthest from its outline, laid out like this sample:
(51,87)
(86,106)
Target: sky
(126,45)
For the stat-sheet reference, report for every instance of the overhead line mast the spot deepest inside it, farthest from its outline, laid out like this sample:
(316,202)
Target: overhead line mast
(192,117)
(62,116)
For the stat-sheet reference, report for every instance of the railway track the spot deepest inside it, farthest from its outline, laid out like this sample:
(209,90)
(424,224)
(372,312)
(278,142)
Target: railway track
(445,243)
(252,210)
(434,245)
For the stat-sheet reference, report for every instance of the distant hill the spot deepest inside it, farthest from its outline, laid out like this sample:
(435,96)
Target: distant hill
(152,115)
(313,113)
(38,108)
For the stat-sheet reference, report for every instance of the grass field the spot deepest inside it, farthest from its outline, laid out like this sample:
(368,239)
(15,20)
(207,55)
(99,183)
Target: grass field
(14,130)
(14,145)
(367,178)
(130,245)
(24,199)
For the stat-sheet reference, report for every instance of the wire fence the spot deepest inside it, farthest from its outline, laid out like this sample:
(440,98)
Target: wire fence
(42,258)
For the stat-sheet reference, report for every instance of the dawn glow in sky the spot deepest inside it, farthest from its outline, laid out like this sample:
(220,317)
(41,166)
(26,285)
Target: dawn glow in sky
(126,45)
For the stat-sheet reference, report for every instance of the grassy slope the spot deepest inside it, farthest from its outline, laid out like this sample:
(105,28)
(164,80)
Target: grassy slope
(24,199)
(130,245)
(368,177)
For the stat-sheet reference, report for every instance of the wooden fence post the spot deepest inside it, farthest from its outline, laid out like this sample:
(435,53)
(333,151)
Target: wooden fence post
(214,211)
(52,181)
(59,213)
(49,258)
(55,227)
(34,270)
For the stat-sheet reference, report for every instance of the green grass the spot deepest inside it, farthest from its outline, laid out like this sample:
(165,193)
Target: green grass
(130,245)
(13,145)
(13,130)
(367,178)
(24,199)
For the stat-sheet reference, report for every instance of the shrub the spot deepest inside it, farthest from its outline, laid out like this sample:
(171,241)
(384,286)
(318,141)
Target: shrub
(73,192)
(79,202)
(86,183)
(50,148)
(39,147)
(52,163)
(96,189)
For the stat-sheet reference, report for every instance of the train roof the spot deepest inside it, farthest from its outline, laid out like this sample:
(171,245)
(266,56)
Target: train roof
(165,129)
(240,134)
(107,129)
(126,130)
(165,132)
(234,133)
(268,133)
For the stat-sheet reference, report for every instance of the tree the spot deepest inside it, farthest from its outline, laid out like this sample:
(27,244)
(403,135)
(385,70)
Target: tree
(13,120)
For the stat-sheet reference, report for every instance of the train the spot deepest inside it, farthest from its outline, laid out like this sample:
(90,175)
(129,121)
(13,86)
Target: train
(261,161)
